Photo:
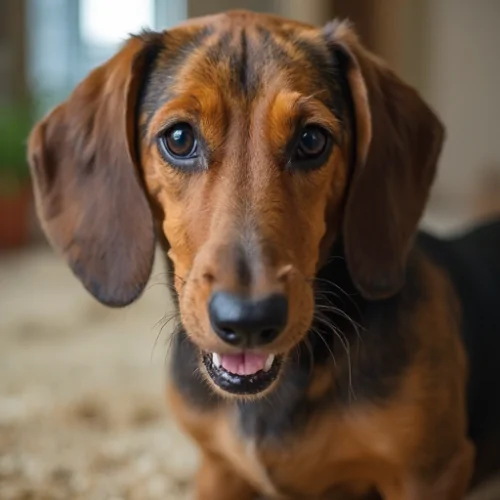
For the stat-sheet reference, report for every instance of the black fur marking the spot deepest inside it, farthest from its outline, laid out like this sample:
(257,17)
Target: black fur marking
(271,50)
(220,50)
(378,359)
(155,91)
(246,67)
(271,418)
(185,372)
(472,263)
(243,66)
(153,48)
(315,55)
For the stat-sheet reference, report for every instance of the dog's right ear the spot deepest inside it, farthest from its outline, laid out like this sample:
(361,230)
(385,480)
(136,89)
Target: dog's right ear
(398,141)
(85,172)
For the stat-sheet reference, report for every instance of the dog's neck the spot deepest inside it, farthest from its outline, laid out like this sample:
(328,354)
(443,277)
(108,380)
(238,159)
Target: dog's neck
(341,341)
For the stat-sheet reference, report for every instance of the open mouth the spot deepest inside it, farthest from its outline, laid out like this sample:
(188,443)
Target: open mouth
(243,373)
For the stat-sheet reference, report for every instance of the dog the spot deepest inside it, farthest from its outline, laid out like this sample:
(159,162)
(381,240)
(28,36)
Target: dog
(326,348)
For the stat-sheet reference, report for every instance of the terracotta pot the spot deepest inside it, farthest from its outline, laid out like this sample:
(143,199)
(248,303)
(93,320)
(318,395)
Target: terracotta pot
(14,218)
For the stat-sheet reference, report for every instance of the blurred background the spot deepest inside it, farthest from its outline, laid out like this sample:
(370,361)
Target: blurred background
(82,414)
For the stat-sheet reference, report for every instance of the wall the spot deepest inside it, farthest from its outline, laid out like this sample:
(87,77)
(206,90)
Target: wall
(312,11)
(12,51)
(463,84)
(203,7)
(316,12)
(449,50)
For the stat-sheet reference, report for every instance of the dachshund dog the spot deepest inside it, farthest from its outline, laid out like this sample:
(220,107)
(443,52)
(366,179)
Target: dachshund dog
(326,349)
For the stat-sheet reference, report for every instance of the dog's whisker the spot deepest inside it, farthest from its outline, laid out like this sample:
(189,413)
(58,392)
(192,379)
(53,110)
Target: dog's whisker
(166,274)
(169,286)
(336,311)
(175,332)
(164,321)
(324,295)
(180,278)
(340,289)
(156,340)
(296,351)
(345,344)
(310,351)
(342,314)
(322,338)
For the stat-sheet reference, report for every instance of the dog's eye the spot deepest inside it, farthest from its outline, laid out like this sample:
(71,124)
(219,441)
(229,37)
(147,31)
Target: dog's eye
(313,142)
(179,142)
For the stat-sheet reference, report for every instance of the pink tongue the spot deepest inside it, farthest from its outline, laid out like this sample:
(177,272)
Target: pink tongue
(246,363)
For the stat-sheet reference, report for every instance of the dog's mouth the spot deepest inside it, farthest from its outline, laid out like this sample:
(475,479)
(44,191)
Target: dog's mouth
(245,373)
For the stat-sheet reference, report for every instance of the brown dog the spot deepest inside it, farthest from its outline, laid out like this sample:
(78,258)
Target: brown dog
(319,353)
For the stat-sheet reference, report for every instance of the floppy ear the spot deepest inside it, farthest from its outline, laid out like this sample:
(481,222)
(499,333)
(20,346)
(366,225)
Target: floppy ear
(88,192)
(397,143)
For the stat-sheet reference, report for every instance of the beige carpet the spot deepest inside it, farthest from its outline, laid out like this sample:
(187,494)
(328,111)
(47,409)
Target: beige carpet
(82,413)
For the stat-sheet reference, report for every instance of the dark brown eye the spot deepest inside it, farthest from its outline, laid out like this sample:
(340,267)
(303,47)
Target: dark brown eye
(179,142)
(312,144)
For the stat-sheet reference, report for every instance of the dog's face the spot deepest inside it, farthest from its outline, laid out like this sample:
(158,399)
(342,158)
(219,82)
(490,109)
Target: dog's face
(256,143)
(245,150)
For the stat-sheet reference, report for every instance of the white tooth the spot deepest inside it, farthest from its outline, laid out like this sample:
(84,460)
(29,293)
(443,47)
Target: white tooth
(269,363)
(216,360)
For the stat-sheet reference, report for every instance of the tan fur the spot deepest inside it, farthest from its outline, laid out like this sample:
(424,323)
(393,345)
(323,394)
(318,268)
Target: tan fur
(85,158)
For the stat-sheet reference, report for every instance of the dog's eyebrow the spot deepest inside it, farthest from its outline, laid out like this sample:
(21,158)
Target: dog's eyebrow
(203,110)
(179,45)
(183,108)
(288,109)
(314,52)
(313,110)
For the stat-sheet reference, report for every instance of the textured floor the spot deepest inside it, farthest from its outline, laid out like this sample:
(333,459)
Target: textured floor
(82,413)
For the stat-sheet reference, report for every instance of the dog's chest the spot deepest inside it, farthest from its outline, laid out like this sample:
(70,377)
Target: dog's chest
(301,440)
(245,455)
(261,435)
(308,462)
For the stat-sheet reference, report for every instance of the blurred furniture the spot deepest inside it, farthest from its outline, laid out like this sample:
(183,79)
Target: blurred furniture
(13,48)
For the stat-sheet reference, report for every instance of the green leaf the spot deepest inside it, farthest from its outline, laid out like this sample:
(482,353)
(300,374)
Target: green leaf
(16,121)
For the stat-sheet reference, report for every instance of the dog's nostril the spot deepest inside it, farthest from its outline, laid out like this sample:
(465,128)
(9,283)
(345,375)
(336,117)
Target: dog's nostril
(229,336)
(248,322)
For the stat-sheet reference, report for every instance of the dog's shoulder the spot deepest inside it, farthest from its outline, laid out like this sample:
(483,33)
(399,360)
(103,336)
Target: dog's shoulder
(471,262)
(471,258)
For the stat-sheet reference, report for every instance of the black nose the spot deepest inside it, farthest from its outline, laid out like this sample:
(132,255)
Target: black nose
(245,322)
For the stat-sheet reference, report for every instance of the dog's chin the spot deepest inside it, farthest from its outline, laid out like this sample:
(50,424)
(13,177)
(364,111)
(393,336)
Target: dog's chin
(243,375)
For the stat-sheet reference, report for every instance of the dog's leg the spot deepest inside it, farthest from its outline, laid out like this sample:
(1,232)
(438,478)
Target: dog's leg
(216,481)
(452,484)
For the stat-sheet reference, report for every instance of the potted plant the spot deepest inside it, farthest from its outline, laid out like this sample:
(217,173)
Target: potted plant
(15,187)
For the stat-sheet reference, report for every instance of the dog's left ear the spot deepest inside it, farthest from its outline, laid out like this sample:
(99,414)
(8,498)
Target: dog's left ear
(397,143)
(86,177)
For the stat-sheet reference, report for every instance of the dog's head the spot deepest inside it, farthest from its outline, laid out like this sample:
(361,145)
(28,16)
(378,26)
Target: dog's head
(256,143)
